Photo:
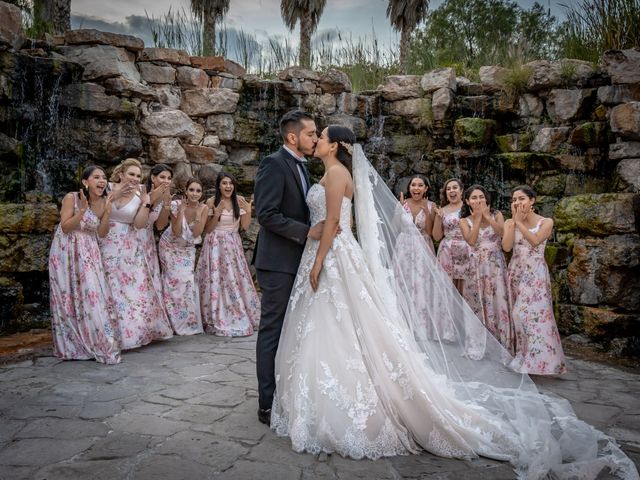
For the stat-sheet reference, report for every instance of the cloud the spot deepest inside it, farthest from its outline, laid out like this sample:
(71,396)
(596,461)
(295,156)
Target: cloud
(135,25)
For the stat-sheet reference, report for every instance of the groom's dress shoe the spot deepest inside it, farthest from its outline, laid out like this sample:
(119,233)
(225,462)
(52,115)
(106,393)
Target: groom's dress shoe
(264,416)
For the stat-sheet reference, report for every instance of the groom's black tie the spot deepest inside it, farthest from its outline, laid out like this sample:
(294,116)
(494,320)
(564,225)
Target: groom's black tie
(302,165)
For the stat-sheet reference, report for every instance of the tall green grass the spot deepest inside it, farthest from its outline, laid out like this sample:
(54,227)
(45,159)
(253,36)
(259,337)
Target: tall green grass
(594,26)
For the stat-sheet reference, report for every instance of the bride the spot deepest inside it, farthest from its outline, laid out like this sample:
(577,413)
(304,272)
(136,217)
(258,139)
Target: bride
(357,375)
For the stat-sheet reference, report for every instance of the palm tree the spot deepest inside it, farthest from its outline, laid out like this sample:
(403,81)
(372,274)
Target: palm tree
(308,13)
(52,16)
(209,12)
(405,15)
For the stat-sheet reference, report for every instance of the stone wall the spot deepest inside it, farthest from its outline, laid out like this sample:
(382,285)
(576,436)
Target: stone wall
(571,129)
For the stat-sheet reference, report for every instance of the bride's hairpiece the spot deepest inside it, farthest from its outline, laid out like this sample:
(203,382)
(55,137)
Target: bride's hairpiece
(347,146)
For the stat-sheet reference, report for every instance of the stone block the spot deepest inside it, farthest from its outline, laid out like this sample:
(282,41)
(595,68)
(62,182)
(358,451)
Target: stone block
(625,120)
(189,77)
(207,101)
(212,141)
(437,79)
(545,75)
(169,55)
(244,156)
(548,140)
(530,106)
(620,150)
(335,81)
(347,103)
(153,73)
(473,132)
(628,175)
(412,107)
(616,94)
(166,150)
(596,214)
(589,135)
(168,123)
(169,96)
(91,97)
(182,171)
(513,142)
(603,322)
(565,105)
(249,130)
(28,217)
(103,61)
(199,155)
(552,185)
(223,126)
(24,253)
(127,88)
(623,66)
(400,87)
(299,73)
(579,184)
(606,271)
(208,63)
(441,103)
(492,78)
(527,161)
(11,31)
(356,124)
(97,37)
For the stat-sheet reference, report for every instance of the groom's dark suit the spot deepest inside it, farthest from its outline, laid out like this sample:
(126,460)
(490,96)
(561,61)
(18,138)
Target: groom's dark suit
(284,224)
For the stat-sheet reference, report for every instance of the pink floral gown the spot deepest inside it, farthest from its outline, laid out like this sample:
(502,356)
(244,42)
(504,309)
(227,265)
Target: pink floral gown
(138,304)
(453,251)
(148,240)
(538,346)
(487,290)
(179,288)
(228,298)
(82,320)
(420,221)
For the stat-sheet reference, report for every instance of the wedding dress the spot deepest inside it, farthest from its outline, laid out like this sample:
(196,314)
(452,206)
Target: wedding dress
(357,375)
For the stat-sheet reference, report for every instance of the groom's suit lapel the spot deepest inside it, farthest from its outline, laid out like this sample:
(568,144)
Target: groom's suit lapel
(291,163)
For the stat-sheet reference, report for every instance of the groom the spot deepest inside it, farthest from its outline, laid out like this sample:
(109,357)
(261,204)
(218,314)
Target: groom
(282,183)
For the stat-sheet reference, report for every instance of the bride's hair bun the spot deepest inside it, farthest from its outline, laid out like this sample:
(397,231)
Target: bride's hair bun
(345,139)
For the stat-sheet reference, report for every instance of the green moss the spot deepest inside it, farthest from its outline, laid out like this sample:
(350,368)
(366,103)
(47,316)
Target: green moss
(473,132)
(513,142)
(589,134)
(405,144)
(553,185)
(596,214)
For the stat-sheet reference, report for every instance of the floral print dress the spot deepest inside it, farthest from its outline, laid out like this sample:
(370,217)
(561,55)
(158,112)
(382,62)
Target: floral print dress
(148,240)
(420,221)
(486,290)
(538,347)
(453,252)
(138,304)
(179,289)
(229,301)
(82,320)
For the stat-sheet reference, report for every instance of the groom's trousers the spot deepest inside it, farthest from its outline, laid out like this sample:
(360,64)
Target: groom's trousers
(276,289)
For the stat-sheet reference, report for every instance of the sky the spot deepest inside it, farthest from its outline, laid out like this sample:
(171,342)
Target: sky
(357,18)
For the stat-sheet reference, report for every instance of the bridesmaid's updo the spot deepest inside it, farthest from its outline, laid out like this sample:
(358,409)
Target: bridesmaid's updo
(526,189)
(123,167)
(345,139)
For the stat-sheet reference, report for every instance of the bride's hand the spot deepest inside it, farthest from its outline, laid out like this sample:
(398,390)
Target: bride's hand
(314,276)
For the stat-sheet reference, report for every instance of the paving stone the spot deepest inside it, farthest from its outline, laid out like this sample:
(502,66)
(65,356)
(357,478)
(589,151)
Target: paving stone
(8,428)
(600,416)
(154,467)
(149,408)
(187,390)
(204,448)
(197,413)
(278,450)
(256,471)
(93,469)
(58,428)
(223,396)
(158,399)
(243,368)
(42,451)
(17,473)
(146,424)
(93,410)
(26,411)
(203,371)
(348,468)
(236,426)
(119,445)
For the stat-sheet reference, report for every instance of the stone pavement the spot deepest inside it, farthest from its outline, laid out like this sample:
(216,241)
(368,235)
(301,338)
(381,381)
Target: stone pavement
(186,408)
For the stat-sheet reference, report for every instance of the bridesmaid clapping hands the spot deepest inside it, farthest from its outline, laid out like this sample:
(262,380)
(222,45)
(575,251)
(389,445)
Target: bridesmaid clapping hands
(83,324)
(538,347)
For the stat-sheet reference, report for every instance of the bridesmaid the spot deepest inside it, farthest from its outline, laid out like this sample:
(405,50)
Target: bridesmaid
(420,207)
(140,313)
(83,324)
(178,258)
(158,186)
(538,346)
(229,301)
(453,251)
(487,290)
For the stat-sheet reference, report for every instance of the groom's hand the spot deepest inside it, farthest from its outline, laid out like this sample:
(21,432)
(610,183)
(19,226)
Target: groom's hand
(315,232)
